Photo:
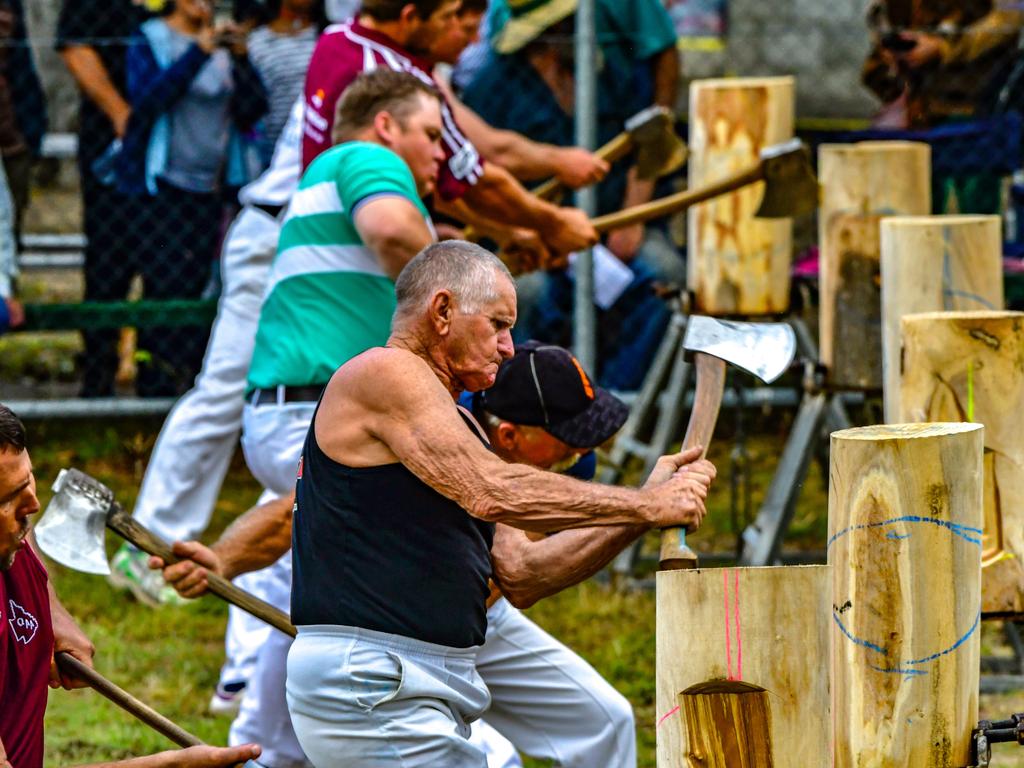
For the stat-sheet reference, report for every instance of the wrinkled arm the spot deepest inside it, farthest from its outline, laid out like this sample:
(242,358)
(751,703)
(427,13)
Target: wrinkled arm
(421,428)
(394,229)
(528,570)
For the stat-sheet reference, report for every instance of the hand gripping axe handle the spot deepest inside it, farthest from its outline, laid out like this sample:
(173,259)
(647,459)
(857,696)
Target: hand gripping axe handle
(74,668)
(71,532)
(762,349)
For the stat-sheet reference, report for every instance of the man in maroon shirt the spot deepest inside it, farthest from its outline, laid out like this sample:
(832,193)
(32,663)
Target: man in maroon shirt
(33,625)
(398,34)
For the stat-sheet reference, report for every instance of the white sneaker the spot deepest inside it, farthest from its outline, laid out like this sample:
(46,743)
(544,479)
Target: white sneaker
(129,570)
(227,699)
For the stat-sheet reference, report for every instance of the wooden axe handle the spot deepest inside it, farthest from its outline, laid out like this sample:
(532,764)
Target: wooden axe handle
(129,529)
(675,554)
(612,151)
(74,668)
(670,204)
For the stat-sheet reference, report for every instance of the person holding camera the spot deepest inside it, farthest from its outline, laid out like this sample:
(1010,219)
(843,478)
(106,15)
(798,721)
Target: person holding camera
(192,91)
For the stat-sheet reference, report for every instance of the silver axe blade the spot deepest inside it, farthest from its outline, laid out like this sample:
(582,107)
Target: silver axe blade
(74,520)
(762,349)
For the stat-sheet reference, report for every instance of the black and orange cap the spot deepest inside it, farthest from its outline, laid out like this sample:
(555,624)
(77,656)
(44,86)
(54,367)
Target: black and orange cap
(543,385)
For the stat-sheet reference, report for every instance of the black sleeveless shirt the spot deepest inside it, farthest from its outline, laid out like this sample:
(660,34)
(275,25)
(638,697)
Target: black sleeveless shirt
(377,548)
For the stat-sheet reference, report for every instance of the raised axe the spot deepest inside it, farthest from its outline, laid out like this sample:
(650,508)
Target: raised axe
(762,349)
(659,150)
(790,189)
(71,532)
(73,667)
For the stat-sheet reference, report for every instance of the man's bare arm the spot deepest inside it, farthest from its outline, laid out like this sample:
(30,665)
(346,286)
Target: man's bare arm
(497,195)
(419,425)
(524,158)
(528,570)
(254,540)
(193,757)
(665,66)
(394,229)
(87,69)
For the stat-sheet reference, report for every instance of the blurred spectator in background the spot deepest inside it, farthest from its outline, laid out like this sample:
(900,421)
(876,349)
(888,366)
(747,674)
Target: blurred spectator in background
(936,61)
(280,52)
(92,37)
(22,107)
(10,309)
(529,86)
(190,85)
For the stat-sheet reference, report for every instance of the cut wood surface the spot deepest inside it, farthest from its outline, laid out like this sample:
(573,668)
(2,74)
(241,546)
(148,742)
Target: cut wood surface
(905,549)
(934,264)
(742,667)
(968,366)
(737,264)
(861,183)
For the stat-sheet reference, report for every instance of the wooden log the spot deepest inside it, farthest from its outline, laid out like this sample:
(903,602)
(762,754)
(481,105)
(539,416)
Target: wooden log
(967,366)
(934,264)
(741,668)
(737,264)
(861,183)
(904,544)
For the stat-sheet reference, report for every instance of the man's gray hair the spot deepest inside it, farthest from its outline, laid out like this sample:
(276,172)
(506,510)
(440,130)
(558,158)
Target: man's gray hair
(467,270)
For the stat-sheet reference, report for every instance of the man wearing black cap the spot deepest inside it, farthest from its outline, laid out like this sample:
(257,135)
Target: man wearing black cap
(543,410)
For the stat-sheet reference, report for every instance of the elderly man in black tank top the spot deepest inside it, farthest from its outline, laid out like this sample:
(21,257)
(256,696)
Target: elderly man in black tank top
(396,501)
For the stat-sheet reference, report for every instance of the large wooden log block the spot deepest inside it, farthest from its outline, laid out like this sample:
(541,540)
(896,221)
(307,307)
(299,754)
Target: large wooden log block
(737,264)
(967,366)
(934,264)
(904,544)
(742,668)
(861,183)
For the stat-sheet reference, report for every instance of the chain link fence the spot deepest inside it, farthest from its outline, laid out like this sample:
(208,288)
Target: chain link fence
(123,156)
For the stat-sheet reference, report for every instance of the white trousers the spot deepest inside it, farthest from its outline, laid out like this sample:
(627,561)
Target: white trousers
(545,700)
(198,439)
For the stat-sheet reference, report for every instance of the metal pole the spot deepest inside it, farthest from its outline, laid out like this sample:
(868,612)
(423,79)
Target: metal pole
(584,319)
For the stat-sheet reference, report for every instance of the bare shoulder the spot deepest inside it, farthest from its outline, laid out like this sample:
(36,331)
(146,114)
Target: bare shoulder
(383,378)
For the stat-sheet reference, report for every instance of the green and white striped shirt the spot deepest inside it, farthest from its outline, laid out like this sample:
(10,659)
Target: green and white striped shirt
(328,299)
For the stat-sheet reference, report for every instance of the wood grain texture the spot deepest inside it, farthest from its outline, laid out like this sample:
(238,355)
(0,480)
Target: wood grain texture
(861,183)
(737,265)
(934,264)
(968,366)
(723,636)
(905,549)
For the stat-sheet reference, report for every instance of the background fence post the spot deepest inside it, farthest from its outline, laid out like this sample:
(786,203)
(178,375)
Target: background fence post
(584,319)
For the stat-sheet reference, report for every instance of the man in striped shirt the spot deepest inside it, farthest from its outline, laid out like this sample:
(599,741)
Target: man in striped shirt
(355,220)
(398,34)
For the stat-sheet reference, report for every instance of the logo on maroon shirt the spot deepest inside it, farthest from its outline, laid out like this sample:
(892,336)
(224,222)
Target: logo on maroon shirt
(23,624)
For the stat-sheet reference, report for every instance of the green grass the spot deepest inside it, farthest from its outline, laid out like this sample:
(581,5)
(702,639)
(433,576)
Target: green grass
(170,657)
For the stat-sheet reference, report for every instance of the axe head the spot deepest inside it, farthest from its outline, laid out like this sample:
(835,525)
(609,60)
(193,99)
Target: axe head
(790,187)
(71,530)
(659,150)
(763,349)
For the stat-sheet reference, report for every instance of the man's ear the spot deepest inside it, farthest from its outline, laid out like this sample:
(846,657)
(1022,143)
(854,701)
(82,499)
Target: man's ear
(505,436)
(386,128)
(409,14)
(442,312)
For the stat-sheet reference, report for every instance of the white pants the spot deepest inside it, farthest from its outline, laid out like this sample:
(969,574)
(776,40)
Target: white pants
(199,437)
(367,699)
(546,700)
